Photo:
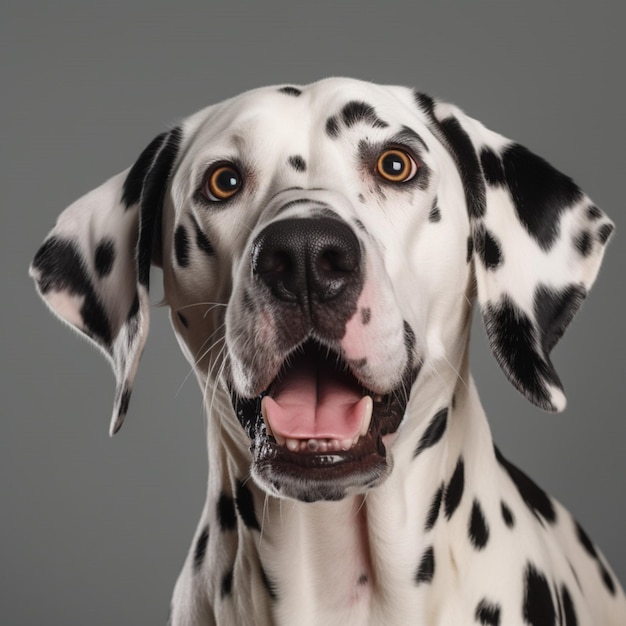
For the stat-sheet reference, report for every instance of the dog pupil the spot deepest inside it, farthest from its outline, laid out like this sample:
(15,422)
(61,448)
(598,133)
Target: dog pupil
(392,165)
(228,180)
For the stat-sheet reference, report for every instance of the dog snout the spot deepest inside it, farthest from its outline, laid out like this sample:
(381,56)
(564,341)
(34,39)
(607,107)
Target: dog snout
(307,260)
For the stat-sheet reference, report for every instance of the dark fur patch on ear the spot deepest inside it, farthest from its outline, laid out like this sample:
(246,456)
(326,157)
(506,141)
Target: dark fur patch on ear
(514,343)
(152,197)
(540,193)
(492,168)
(488,248)
(104,257)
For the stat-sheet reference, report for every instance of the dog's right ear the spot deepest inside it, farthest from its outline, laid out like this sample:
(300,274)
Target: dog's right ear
(93,269)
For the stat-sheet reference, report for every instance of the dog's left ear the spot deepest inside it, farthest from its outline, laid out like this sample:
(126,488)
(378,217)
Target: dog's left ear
(93,269)
(536,242)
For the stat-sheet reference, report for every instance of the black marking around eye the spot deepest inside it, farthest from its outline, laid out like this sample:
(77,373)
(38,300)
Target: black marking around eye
(297,162)
(104,257)
(332,127)
(245,506)
(181,246)
(434,431)
(454,491)
(290,91)
(535,498)
(426,569)
(61,267)
(200,549)
(538,606)
(356,111)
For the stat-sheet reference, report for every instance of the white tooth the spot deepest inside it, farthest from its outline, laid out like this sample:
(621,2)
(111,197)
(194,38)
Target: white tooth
(367,408)
(346,444)
(266,420)
(323,445)
(292,444)
(334,445)
(280,440)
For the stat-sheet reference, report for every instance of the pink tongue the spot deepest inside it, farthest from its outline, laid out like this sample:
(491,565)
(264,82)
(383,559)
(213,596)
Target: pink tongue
(314,402)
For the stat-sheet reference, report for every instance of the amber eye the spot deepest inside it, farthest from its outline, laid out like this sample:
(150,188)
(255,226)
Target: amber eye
(222,182)
(396,166)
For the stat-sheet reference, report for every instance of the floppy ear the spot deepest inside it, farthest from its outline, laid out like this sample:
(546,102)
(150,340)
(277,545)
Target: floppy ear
(93,269)
(537,244)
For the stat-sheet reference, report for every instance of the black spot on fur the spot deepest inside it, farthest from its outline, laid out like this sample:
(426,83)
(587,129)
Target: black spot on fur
(153,194)
(435,213)
(226,512)
(605,232)
(332,127)
(227,583)
(200,549)
(426,569)
(366,315)
(534,497)
(355,112)
(269,585)
(61,267)
(181,246)
(538,608)
(478,528)
(104,257)
(507,515)
(291,91)
(584,243)
(433,512)
(202,241)
(607,578)
(513,340)
(594,213)
(454,491)
(362,580)
(488,248)
(569,612)
(470,249)
(434,431)
(554,310)
(297,162)
(583,537)
(362,201)
(540,193)
(183,319)
(488,613)
(245,506)
(492,167)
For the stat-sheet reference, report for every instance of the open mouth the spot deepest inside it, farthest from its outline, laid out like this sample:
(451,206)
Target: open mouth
(317,430)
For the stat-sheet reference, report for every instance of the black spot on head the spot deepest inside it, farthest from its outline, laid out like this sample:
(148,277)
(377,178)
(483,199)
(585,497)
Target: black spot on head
(605,232)
(61,267)
(104,257)
(540,193)
(181,246)
(454,490)
(583,537)
(554,310)
(434,431)
(435,213)
(183,319)
(478,528)
(227,583)
(245,506)
(433,512)
(513,339)
(569,612)
(297,162)
(200,549)
(332,127)
(426,569)
(488,248)
(226,512)
(607,578)
(202,241)
(492,167)
(153,194)
(269,585)
(356,111)
(507,515)
(584,243)
(538,608)
(291,91)
(534,497)
(366,315)
(594,213)
(488,613)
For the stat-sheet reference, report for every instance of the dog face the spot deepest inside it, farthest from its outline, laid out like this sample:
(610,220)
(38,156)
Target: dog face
(320,249)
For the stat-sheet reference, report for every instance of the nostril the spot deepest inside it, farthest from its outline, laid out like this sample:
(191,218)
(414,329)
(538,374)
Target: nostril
(333,259)
(274,262)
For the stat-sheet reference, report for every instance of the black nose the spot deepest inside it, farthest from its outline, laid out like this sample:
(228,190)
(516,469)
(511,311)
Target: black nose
(308,260)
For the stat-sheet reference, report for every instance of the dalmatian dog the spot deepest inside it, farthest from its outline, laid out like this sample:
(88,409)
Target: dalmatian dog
(322,247)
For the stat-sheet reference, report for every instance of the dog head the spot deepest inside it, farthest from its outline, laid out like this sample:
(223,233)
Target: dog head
(320,248)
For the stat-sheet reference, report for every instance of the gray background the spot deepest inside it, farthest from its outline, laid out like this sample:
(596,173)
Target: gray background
(93,530)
